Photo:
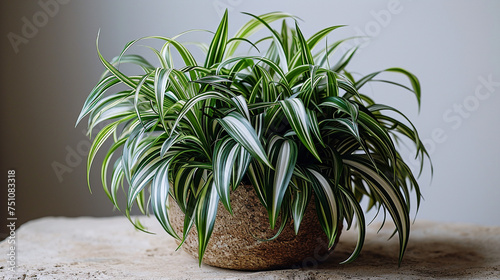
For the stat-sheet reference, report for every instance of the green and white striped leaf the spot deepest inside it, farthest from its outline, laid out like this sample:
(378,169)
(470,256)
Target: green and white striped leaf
(415,83)
(99,140)
(296,114)
(253,26)
(242,132)
(306,55)
(194,102)
(160,86)
(390,197)
(361,224)
(160,188)
(327,205)
(318,36)
(117,177)
(226,152)
(283,155)
(277,42)
(206,211)
(143,176)
(240,167)
(342,105)
(104,172)
(218,46)
(96,94)
(300,201)
(256,171)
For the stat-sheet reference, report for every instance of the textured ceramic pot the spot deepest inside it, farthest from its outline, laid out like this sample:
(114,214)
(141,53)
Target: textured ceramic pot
(235,240)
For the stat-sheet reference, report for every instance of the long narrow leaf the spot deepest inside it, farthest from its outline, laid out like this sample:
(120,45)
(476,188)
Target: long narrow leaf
(206,212)
(391,198)
(242,132)
(160,187)
(283,154)
(218,45)
(296,115)
(327,206)
(226,152)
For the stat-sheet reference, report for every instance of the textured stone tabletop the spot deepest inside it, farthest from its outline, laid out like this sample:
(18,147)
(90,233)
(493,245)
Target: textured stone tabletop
(110,248)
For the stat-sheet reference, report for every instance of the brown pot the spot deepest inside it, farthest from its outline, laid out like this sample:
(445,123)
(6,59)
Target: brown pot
(235,240)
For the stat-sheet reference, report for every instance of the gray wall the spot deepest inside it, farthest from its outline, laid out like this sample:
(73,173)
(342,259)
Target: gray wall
(48,68)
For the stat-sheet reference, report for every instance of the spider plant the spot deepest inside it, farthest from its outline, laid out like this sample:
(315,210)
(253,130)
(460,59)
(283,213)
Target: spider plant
(287,120)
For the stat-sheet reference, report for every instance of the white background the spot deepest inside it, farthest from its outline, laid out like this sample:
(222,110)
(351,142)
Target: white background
(450,45)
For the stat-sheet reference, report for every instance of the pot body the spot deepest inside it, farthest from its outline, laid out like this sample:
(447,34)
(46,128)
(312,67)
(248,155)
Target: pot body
(236,239)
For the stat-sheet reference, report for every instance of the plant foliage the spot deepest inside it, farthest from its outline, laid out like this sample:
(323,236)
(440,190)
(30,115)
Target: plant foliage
(287,121)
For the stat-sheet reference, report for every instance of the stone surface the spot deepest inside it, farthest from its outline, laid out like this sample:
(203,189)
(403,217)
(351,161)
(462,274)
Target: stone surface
(110,248)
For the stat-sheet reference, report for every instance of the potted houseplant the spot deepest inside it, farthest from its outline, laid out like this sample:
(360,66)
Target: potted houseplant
(283,128)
